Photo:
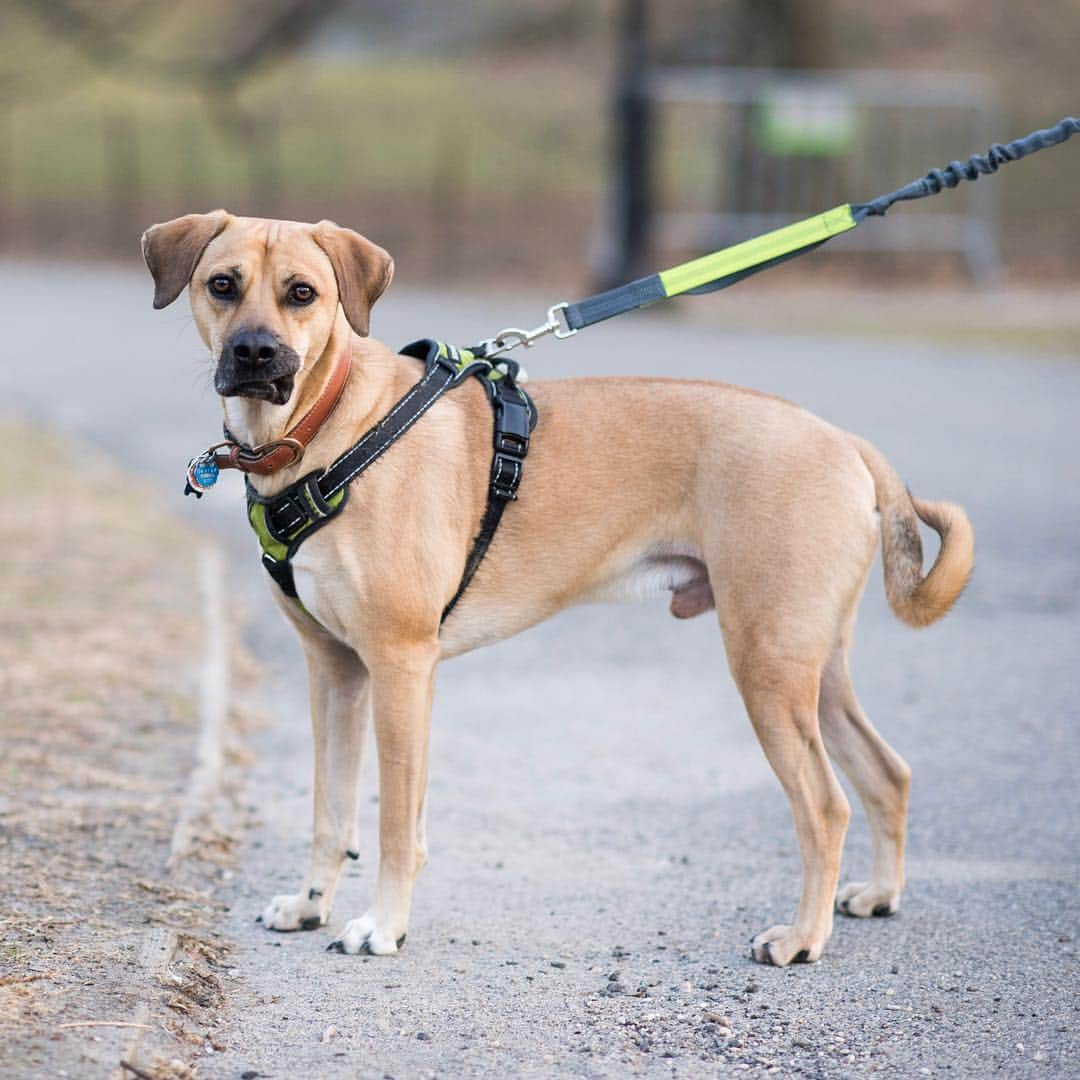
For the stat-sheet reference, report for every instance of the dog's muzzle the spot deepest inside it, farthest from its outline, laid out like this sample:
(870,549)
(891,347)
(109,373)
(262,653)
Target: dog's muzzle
(255,364)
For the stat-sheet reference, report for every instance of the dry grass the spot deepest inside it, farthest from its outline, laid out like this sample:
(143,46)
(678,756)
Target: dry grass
(99,644)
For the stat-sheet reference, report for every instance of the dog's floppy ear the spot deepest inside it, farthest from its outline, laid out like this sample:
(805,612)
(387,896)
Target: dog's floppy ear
(363,270)
(173,249)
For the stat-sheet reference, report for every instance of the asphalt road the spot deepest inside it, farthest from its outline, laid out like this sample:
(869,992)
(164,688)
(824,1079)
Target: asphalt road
(605,833)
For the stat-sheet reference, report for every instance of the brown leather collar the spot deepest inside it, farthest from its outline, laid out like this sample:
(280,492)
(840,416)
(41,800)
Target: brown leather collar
(289,449)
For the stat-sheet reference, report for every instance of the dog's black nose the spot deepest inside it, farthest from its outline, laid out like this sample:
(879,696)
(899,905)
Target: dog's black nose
(254,347)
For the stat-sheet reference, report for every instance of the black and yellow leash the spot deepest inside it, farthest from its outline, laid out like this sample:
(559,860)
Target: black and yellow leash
(733,264)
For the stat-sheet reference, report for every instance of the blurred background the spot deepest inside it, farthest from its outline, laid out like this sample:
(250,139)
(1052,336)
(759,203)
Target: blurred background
(509,155)
(563,142)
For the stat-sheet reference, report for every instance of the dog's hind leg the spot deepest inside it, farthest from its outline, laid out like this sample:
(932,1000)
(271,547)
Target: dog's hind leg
(338,686)
(402,685)
(781,698)
(882,779)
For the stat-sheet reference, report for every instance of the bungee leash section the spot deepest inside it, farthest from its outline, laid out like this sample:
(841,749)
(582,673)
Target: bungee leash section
(733,264)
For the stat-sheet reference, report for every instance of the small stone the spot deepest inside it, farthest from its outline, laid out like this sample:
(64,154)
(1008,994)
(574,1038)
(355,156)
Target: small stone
(895,969)
(329,1034)
(557,964)
(423,1036)
(717,1018)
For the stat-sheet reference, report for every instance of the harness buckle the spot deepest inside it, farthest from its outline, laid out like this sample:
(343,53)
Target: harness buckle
(512,443)
(506,476)
(286,514)
(512,427)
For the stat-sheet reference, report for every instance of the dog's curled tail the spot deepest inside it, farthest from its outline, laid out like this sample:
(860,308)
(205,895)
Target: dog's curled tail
(918,600)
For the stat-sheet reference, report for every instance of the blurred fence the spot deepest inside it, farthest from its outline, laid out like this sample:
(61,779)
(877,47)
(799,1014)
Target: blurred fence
(426,163)
(765,148)
(500,172)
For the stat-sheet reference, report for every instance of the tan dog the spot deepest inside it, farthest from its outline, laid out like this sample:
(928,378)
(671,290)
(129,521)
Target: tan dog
(723,497)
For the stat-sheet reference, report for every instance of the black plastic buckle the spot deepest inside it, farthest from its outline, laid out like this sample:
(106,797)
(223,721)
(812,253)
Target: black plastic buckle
(285,515)
(506,473)
(510,442)
(297,508)
(512,427)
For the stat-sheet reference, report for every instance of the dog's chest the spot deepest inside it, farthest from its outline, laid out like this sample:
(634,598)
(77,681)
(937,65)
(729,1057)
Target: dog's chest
(314,598)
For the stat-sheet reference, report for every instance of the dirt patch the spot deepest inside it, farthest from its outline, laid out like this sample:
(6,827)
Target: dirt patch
(99,656)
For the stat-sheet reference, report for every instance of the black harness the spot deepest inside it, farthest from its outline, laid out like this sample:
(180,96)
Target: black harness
(284,521)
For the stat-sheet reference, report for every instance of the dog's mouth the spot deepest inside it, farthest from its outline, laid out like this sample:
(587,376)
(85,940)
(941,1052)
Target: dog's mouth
(272,381)
(276,391)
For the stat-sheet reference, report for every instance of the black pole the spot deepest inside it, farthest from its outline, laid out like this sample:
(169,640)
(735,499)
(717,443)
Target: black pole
(630,198)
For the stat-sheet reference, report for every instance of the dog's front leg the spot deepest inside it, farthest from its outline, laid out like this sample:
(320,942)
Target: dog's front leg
(402,689)
(338,686)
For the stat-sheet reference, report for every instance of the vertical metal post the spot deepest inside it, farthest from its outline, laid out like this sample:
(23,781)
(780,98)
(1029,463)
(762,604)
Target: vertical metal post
(630,197)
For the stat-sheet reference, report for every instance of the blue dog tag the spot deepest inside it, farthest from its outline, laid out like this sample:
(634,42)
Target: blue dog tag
(202,474)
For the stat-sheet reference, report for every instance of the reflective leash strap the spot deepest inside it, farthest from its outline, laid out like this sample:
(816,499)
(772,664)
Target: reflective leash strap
(711,272)
(732,265)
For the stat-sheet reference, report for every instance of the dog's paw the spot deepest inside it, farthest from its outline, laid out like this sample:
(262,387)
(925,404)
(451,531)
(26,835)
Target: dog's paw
(363,936)
(780,946)
(861,899)
(297,911)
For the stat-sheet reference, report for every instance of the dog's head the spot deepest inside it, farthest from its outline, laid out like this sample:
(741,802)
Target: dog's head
(266,295)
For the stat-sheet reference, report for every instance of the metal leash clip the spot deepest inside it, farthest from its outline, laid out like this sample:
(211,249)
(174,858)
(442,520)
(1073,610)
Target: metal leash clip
(513,336)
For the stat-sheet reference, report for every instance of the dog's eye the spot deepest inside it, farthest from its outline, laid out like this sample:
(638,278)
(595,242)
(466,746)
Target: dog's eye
(301,293)
(222,286)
